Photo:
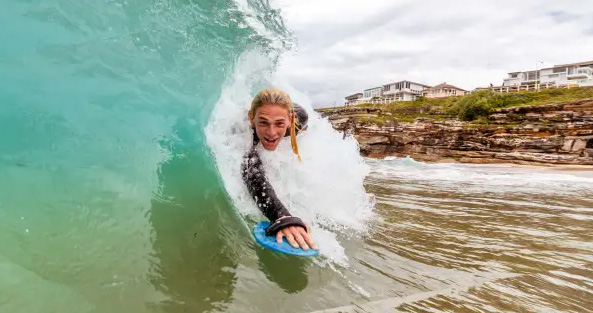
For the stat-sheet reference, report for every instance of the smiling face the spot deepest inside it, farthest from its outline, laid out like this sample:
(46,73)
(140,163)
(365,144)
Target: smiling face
(270,122)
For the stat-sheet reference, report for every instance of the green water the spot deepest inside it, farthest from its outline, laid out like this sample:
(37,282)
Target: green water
(109,198)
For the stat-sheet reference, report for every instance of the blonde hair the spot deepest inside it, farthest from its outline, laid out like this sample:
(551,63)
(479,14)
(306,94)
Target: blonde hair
(280,98)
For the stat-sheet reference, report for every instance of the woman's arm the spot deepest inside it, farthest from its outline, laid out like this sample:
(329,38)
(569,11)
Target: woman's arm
(260,188)
(283,223)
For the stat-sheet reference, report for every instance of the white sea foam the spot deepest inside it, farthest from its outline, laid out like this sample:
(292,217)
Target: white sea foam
(471,177)
(325,189)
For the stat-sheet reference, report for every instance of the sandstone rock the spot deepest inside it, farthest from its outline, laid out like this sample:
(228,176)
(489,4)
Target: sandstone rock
(579,145)
(372,140)
(567,145)
(550,134)
(583,132)
(498,116)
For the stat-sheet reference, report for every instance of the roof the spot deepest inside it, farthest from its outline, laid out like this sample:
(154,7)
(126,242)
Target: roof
(590,63)
(374,88)
(445,85)
(356,95)
(407,81)
(572,64)
(539,69)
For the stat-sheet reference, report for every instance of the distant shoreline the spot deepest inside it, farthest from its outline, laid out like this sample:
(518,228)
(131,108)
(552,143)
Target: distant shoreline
(553,134)
(524,166)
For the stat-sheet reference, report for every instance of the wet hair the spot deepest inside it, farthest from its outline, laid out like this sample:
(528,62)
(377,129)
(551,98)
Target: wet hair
(280,98)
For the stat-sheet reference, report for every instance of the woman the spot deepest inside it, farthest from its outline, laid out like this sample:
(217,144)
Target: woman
(273,116)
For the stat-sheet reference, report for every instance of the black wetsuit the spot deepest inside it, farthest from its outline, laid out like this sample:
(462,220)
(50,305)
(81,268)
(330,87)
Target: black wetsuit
(260,188)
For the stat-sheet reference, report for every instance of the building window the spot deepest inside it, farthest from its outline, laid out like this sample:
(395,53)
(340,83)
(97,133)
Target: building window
(559,70)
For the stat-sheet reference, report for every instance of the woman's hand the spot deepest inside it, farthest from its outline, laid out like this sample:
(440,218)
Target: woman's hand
(297,236)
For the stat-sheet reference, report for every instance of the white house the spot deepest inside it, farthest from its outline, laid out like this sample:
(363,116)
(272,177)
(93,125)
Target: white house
(580,74)
(353,99)
(568,74)
(520,78)
(372,93)
(403,91)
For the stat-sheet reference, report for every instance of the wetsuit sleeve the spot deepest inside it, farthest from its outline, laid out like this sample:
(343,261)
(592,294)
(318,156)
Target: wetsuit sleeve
(260,189)
(301,120)
(301,116)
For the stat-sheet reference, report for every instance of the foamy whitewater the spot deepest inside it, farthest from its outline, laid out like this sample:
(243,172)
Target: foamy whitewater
(325,189)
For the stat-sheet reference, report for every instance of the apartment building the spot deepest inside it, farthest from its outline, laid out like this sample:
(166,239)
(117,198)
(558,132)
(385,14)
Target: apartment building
(573,74)
(580,74)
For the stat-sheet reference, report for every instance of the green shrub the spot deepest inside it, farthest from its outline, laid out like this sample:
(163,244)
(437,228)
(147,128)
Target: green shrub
(555,92)
(480,103)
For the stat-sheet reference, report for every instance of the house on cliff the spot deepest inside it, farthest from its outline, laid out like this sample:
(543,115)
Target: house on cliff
(367,96)
(403,91)
(376,92)
(353,99)
(443,90)
(571,74)
(559,76)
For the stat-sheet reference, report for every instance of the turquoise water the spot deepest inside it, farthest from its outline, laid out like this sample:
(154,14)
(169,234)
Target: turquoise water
(109,197)
(121,128)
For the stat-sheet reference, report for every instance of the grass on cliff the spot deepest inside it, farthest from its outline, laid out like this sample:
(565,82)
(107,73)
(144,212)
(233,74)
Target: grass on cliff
(478,104)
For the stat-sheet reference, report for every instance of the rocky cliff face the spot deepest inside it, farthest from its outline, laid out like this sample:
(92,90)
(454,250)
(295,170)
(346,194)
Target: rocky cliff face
(543,134)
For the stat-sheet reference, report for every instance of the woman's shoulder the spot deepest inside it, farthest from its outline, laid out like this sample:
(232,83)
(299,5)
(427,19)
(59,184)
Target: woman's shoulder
(301,113)
(302,117)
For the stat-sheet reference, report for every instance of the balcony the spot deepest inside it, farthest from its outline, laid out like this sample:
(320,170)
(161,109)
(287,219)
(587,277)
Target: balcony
(581,73)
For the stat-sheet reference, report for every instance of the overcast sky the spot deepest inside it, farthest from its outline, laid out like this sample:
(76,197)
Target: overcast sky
(346,46)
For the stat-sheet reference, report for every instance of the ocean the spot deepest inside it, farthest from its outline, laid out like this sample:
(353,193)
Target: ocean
(122,129)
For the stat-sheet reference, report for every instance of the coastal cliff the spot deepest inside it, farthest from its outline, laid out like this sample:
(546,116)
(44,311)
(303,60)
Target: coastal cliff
(557,133)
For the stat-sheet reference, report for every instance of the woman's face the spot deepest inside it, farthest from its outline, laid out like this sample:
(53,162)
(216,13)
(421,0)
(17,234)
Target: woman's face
(270,122)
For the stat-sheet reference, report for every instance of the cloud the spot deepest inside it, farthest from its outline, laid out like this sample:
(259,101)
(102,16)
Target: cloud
(561,17)
(344,47)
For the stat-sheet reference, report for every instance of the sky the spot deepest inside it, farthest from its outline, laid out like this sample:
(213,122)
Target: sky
(346,46)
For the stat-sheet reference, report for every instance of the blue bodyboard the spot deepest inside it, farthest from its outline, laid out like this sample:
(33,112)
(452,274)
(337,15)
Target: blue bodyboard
(270,242)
